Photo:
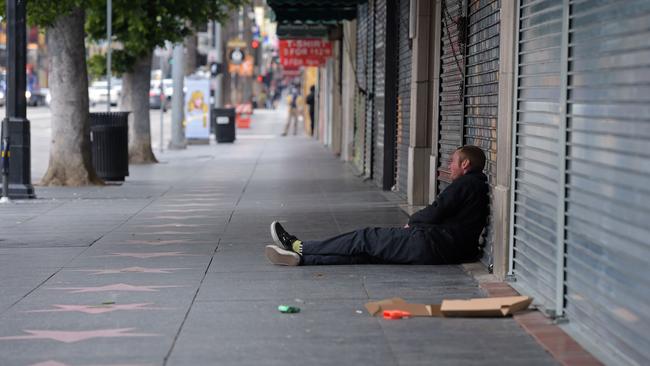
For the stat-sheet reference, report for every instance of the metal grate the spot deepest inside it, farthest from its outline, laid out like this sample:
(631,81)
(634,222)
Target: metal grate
(451,89)
(360,111)
(537,184)
(608,177)
(403,100)
(481,92)
(379,91)
(370,85)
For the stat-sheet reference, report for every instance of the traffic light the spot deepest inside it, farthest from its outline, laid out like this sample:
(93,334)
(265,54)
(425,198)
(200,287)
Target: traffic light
(255,43)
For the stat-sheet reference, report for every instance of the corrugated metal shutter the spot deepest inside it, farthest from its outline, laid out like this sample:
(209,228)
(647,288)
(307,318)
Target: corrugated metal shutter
(403,100)
(481,92)
(379,85)
(451,89)
(370,85)
(608,177)
(537,184)
(360,113)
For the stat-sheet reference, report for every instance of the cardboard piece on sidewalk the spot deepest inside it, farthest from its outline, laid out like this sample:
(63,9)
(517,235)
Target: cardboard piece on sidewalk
(482,307)
(377,307)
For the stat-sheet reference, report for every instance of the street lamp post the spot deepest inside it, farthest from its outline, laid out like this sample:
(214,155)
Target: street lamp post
(109,31)
(15,126)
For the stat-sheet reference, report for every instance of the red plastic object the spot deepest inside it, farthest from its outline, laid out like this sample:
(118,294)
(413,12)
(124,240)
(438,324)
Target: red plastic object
(396,314)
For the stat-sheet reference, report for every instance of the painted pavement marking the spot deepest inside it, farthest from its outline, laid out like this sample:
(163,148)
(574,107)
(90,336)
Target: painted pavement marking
(114,287)
(77,336)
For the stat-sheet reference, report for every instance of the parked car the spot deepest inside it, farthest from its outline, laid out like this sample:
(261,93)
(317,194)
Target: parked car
(98,92)
(154,93)
(35,97)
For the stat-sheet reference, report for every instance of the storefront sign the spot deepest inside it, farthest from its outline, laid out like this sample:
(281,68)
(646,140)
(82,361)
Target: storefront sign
(304,52)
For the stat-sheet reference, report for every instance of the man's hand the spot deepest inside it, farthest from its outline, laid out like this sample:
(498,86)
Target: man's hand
(406,226)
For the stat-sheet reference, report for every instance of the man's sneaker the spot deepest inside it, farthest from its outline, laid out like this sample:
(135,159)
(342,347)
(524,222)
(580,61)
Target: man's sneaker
(281,257)
(281,237)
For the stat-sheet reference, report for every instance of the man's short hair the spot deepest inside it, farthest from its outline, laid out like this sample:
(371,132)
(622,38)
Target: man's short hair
(474,154)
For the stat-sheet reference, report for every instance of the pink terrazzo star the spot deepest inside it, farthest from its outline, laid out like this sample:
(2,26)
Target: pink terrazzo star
(169,225)
(72,336)
(54,363)
(156,242)
(188,217)
(129,270)
(188,210)
(96,309)
(115,287)
(188,205)
(149,255)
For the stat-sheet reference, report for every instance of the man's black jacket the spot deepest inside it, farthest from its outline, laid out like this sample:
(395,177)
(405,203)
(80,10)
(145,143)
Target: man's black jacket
(455,219)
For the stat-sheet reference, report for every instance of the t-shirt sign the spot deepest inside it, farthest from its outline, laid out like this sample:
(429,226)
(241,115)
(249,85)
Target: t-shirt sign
(304,52)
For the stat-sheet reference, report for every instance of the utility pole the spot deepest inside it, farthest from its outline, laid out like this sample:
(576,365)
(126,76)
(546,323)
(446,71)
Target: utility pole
(109,31)
(15,126)
(218,45)
(178,136)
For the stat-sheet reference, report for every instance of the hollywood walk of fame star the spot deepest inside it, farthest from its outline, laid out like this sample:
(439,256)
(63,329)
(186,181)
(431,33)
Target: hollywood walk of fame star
(201,204)
(149,255)
(189,217)
(76,336)
(156,242)
(55,363)
(96,309)
(171,233)
(128,270)
(186,210)
(114,287)
(169,225)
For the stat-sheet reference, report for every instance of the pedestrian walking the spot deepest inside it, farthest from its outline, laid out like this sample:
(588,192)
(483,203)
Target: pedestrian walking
(294,111)
(311,99)
(445,232)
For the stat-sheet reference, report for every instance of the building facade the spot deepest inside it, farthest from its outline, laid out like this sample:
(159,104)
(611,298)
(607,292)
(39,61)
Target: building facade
(557,94)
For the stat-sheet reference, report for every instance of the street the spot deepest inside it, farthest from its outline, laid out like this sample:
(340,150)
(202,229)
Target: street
(40,129)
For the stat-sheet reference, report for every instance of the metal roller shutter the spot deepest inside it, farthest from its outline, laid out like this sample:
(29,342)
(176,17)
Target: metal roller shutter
(608,177)
(451,89)
(370,87)
(379,89)
(360,113)
(537,177)
(403,100)
(481,91)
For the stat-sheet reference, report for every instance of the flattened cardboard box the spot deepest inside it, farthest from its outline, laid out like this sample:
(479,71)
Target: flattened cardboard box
(483,307)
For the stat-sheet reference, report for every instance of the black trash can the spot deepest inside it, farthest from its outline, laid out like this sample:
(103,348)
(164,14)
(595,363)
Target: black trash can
(224,124)
(109,136)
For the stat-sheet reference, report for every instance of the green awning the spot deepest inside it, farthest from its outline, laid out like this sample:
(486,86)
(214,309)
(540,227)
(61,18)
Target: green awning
(299,29)
(314,10)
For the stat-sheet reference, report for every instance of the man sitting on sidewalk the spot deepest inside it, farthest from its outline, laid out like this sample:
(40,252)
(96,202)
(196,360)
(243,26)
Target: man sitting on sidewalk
(444,232)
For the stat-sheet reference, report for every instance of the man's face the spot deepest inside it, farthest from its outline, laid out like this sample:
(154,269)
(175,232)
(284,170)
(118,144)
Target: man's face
(456,167)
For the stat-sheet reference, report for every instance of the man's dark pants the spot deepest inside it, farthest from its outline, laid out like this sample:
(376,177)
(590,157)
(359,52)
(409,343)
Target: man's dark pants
(372,246)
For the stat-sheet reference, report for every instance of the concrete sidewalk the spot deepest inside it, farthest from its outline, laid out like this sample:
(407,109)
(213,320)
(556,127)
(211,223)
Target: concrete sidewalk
(169,269)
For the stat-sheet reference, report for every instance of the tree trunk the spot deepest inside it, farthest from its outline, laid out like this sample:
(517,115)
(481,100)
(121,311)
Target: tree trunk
(135,99)
(70,156)
(190,43)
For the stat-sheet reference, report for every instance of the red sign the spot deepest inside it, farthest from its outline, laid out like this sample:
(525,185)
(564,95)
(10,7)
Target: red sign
(304,52)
